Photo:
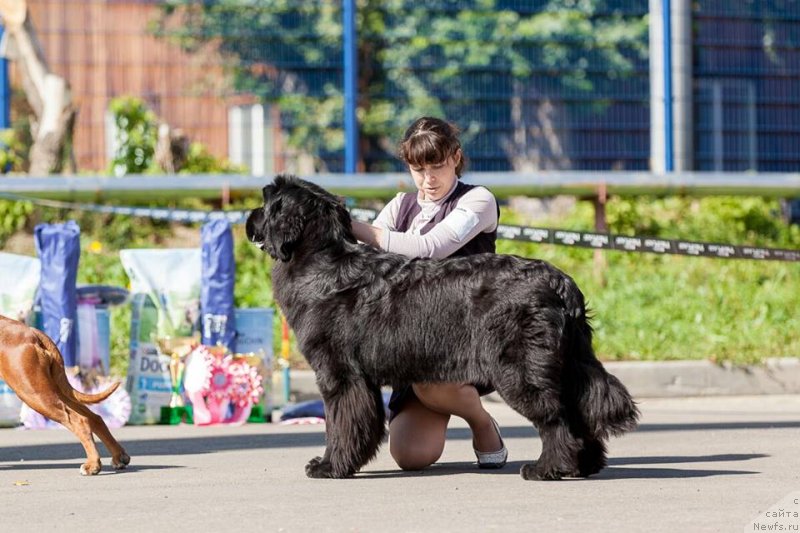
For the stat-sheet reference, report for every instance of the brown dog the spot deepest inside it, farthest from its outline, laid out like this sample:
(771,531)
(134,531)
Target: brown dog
(33,367)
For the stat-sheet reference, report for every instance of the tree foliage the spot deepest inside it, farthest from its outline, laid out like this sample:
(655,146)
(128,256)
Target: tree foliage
(136,135)
(436,57)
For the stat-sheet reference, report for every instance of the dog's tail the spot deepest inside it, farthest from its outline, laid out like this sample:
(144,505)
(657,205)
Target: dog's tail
(47,349)
(98,397)
(66,389)
(602,401)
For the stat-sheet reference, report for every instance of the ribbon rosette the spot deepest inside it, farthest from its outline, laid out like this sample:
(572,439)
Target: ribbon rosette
(246,387)
(215,382)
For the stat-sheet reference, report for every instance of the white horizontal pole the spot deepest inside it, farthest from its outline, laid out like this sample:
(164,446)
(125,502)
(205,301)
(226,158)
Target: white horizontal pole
(545,183)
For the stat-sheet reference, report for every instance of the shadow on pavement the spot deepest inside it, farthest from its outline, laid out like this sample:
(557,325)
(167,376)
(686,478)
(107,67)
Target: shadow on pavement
(702,426)
(617,461)
(611,472)
(181,446)
(107,469)
(664,473)
(516,432)
(211,444)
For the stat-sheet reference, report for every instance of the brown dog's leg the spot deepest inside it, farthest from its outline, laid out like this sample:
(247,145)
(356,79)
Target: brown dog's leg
(49,404)
(119,458)
(33,367)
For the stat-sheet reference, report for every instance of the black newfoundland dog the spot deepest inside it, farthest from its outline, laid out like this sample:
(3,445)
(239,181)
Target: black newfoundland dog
(365,318)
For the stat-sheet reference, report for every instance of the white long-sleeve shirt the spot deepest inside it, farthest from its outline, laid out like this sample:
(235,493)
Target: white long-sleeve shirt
(475,212)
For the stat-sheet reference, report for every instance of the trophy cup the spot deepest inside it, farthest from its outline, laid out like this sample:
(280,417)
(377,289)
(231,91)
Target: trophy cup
(177,348)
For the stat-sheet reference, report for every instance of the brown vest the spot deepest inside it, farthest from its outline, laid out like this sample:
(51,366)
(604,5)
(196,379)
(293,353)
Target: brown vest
(409,208)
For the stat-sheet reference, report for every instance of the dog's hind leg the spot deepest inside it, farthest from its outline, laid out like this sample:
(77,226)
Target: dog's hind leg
(542,405)
(599,403)
(591,457)
(49,404)
(119,457)
(354,428)
(561,448)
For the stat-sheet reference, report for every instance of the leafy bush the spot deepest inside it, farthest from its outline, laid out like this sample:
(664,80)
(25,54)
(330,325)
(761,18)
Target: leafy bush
(13,217)
(136,136)
(13,151)
(201,161)
(16,142)
(736,220)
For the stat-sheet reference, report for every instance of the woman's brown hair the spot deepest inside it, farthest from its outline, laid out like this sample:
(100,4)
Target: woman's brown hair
(430,141)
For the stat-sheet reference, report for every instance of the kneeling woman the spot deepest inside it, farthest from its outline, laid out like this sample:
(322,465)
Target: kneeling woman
(445,217)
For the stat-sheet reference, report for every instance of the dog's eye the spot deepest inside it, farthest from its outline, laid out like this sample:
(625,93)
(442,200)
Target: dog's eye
(275,207)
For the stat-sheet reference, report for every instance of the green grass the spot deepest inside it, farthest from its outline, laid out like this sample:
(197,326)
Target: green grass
(650,307)
(666,308)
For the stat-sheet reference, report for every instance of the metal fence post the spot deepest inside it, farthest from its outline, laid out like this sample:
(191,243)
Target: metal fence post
(5,91)
(682,85)
(668,126)
(350,87)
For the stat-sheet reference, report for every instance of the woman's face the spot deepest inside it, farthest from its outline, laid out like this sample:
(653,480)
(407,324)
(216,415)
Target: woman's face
(434,181)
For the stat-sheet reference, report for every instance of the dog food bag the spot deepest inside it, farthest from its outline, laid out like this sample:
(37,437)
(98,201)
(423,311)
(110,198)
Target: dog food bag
(254,336)
(94,326)
(216,294)
(94,339)
(165,290)
(59,248)
(19,281)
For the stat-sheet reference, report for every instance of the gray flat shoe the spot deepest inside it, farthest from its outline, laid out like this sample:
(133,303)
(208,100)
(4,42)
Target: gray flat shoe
(493,459)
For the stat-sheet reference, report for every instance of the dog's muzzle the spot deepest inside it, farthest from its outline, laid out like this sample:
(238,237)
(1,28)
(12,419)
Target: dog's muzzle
(254,227)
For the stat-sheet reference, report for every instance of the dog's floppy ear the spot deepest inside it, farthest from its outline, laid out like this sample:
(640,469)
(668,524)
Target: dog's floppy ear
(285,236)
(285,216)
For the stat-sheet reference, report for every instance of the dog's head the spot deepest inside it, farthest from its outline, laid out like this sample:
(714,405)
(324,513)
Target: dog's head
(297,213)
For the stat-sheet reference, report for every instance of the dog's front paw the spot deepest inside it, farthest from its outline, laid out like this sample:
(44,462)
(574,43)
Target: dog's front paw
(540,471)
(319,468)
(313,462)
(90,468)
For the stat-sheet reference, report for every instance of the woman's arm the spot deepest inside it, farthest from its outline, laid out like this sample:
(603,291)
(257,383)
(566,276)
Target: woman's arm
(367,233)
(475,212)
(372,234)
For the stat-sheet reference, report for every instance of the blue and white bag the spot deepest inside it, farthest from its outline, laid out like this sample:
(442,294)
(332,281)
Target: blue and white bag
(59,249)
(19,282)
(165,292)
(218,279)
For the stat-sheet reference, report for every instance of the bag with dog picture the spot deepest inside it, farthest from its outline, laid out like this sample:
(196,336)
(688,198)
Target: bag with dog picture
(165,300)
(19,281)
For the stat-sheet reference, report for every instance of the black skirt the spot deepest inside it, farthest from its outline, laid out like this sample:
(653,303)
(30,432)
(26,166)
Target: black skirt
(401,395)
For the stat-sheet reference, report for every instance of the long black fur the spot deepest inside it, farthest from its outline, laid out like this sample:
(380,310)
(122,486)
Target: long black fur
(365,318)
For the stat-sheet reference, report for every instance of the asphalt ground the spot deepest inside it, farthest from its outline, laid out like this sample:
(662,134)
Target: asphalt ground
(694,464)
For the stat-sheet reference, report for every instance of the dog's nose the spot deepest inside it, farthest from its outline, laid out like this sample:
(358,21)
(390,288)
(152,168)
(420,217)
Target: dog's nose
(252,225)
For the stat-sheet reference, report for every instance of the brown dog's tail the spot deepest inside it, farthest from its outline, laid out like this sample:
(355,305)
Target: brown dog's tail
(95,398)
(47,349)
(66,389)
